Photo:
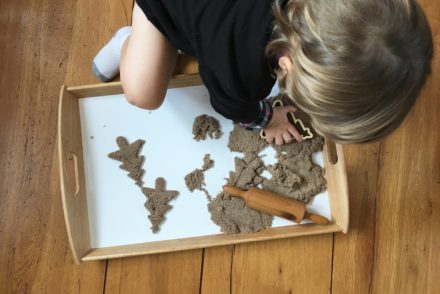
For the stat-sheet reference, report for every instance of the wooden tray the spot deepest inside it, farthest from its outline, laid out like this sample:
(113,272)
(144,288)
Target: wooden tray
(74,198)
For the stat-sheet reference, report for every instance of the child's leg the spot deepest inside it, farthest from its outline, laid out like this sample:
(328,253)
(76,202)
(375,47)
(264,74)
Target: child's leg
(147,62)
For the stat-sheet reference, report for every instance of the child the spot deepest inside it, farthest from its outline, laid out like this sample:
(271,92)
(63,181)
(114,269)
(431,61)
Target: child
(355,66)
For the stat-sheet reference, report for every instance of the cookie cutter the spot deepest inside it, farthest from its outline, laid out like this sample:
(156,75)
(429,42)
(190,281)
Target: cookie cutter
(296,121)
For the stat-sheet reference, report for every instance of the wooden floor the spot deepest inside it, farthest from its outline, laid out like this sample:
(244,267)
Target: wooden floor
(393,245)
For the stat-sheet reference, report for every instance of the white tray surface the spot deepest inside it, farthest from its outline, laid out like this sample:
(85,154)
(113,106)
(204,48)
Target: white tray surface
(116,205)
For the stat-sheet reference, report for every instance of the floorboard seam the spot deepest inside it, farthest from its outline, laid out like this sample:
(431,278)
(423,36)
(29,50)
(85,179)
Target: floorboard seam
(232,264)
(105,277)
(370,284)
(332,266)
(125,12)
(201,271)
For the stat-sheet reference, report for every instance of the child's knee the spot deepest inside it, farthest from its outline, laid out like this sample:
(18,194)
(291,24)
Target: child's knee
(143,96)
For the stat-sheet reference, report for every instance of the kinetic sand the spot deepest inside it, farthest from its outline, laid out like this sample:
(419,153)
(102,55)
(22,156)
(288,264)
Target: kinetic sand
(294,175)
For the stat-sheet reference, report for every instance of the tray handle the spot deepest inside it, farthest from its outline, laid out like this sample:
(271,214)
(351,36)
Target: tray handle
(332,154)
(337,186)
(72,178)
(73,157)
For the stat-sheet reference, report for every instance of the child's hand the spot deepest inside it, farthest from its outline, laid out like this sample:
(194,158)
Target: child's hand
(279,128)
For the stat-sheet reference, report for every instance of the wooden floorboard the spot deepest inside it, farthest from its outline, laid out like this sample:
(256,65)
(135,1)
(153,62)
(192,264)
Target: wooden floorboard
(393,245)
(34,253)
(407,253)
(296,265)
(217,265)
(42,47)
(161,273)
(353,252)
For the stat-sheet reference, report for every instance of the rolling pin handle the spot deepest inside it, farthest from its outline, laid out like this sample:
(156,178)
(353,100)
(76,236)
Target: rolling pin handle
(231,190)
(316,218)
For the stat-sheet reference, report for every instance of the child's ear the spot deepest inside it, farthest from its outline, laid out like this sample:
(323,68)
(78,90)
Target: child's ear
(285,64)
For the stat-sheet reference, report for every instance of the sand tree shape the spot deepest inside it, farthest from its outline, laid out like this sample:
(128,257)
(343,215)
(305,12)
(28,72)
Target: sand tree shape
(157,203)
(128,154)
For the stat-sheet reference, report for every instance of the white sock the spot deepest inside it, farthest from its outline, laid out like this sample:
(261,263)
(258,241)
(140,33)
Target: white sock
(105,65)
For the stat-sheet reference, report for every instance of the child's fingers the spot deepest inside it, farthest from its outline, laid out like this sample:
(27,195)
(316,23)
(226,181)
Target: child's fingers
(279,140)
(287,137)
(295,133)
(269,138)
(289,108)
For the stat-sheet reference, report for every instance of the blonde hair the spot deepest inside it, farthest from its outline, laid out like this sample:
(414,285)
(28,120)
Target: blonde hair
(359,65)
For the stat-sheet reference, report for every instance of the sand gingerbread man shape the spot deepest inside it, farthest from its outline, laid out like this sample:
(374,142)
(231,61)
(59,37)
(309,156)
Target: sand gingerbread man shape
(157,202)
(128,154)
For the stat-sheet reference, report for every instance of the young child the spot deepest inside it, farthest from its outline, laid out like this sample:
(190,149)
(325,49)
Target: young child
(355,66)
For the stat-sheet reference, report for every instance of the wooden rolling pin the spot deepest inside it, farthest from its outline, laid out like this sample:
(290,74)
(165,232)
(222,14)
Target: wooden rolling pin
(274,204)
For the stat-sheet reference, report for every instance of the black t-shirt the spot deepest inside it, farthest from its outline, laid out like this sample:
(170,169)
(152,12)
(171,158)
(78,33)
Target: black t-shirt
(228,38)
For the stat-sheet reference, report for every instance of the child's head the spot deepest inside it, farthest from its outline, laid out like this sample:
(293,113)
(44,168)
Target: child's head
(357,65)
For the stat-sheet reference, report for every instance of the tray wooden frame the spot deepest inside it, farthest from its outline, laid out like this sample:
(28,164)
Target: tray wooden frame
(73,192)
